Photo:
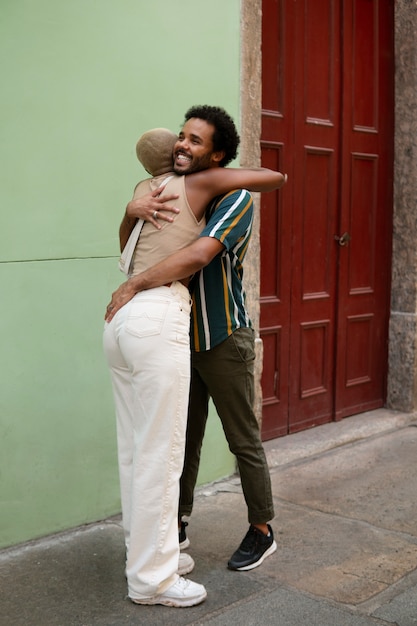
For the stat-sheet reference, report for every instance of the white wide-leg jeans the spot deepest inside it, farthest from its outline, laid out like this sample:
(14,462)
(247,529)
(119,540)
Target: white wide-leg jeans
(147,348)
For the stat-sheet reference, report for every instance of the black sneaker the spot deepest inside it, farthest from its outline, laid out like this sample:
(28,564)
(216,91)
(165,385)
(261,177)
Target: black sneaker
(253,550)
(182,536)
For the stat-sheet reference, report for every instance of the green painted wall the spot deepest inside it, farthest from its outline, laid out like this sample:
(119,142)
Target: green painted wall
(81,81)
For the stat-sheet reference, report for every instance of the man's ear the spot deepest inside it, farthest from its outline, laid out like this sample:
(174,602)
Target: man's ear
(218,156)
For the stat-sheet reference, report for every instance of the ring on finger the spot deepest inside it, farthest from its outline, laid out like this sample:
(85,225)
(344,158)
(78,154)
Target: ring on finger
(155,215)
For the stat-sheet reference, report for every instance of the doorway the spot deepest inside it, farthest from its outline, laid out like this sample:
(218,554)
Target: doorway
(327,120)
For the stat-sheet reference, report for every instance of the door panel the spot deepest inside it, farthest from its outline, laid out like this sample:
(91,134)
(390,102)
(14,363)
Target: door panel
(365,208)
(327,122)
(316,150)
(276,226)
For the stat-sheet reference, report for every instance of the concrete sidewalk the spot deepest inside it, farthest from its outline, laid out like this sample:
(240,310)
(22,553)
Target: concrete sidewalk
(346,529)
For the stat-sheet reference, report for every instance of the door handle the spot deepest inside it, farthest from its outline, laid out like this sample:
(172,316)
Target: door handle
(343,240)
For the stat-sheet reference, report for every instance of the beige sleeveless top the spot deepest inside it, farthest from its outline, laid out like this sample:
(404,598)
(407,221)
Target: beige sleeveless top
(155,245)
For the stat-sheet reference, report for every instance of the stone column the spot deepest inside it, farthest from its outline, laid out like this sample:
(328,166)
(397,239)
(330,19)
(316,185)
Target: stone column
(402,371)
(250,155)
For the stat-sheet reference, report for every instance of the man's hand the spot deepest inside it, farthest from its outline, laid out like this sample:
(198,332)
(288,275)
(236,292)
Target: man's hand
(152,208)
(119,298)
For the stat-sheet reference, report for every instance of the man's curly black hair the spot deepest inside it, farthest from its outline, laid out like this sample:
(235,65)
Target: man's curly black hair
(225,136)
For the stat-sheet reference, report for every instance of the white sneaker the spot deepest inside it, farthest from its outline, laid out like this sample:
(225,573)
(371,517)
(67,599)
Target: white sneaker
(185,564)
(181,594)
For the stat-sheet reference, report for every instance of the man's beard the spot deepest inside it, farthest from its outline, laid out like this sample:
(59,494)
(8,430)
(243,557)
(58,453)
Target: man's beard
(197,164)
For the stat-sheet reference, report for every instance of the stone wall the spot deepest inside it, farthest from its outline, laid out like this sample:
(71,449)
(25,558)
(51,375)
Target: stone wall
(402,374)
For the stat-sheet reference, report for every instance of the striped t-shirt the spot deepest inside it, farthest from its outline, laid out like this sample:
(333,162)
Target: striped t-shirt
(218,294)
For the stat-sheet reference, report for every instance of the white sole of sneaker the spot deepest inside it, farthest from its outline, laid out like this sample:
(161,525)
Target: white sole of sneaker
(184,545)
(270,551)
(179,604)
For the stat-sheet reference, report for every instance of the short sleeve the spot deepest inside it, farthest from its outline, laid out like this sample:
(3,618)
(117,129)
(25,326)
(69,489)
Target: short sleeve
(231,218)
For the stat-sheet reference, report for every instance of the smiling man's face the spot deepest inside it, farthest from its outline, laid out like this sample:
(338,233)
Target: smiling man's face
(193,151)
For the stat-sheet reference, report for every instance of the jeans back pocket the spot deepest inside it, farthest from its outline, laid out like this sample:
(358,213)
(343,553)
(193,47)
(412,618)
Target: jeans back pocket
(146,317)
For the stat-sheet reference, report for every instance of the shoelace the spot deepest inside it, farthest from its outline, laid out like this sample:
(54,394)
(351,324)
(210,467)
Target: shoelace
(183,583)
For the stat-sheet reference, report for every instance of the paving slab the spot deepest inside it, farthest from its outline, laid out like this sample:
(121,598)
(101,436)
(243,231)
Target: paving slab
(401,610)
(347,519)
(77,579)
(373,480)
(341,559)
(283,607)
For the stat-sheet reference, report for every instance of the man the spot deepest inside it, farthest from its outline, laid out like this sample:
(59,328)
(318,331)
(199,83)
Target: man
(146,342)
(222,338)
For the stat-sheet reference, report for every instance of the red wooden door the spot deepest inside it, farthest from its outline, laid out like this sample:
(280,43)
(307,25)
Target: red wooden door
(327,122)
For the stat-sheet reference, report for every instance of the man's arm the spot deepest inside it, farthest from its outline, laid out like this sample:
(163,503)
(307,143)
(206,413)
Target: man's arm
(201,188)
(179,265)
(208,184)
